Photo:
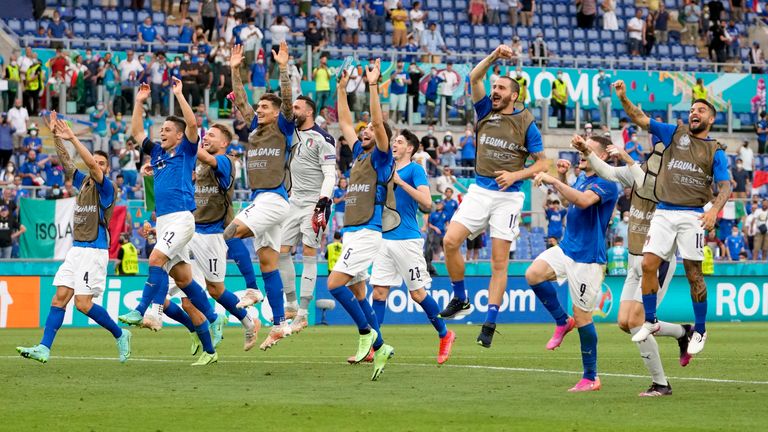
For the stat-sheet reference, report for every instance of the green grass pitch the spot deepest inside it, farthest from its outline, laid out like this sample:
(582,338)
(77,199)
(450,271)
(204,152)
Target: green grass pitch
(304,384)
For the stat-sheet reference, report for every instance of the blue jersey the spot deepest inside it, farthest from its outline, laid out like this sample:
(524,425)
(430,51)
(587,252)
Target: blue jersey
(258,75)
(397,83)
(584,239)
(57,30)
(237,147)
(735,245)
(224,176)
(341,206)
(762,124)
(286,128)
(54,175)
(415,176)
(449,207)
(555,222)
(720,172)
(533,144)
(439,219)
(185,34)
(106,197)
(174,190)
(33,143)
(383,163)
(148,32)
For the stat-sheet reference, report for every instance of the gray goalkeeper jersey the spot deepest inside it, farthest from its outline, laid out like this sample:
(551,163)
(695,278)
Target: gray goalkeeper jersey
(312,149)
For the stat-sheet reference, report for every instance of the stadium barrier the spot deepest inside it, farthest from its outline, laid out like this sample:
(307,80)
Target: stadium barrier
(739,292)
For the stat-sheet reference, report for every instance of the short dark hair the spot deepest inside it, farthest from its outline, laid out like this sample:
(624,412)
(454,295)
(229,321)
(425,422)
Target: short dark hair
(513,85)
(119,176)
(270,97)
(308,100)
(620,239)
(224,131)
(102,154)
(603,141)
(337,235)
(179,122)
(411,139)
(707,103)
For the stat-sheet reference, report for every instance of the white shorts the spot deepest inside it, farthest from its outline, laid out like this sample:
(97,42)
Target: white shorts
(263,217)
(174,231)
(397,102)
(297,227)
(358,251)
(584,280)
(209,253)
(400,260)
(632,290)
(197,276)
(482,207)
(84,270)
(670,228)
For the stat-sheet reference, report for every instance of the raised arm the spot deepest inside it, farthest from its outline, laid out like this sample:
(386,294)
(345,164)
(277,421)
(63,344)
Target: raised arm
(345,116)
(477,76)
(241,98)
(63,131)
(186,110)
(421,194)
(137,118)
(66,160)
(372,74)
(580,199)
(621,175)
(281,58)
(635,114)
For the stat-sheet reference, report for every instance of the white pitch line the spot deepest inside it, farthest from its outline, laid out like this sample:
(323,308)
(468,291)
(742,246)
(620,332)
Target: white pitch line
(455,366)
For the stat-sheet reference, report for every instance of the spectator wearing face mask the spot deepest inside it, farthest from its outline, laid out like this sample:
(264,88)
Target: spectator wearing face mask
(559,98)
(467,147)
(32,141)
(634,149)
(431,95)
(10,231)
(447,151)
(99,127)
(129,71)
(258,78)
(189,71)
(740,179)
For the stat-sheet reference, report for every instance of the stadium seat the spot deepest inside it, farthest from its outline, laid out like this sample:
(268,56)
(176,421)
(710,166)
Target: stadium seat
(449,16)
(480,32)
(663,50)
(548,22)
(481,44)
(16,25)
(579,35)
(550,33)
(111,29)
(494,31)
(95,30)
(563,22)
(595,48)
(465,43)
(579,48)
(507,32)
(377,39)
(29,27)
(523,32)
(142,15)
(300,24)
(564,33)
(158,17)
(449,29)
(465,30)
(547,9)
(79,29)
(593,35)
(127,30)
(493,43)
(81,14)
(128,16)
(566,47)
(112,15)
(96,14)
(284,9)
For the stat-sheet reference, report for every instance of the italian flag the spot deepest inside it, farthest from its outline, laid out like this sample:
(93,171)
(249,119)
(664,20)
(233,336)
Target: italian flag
(49,227)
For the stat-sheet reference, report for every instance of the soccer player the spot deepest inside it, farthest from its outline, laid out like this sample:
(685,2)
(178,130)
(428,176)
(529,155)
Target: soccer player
(506,137)
(267,150)
(83,275)
(366,196)
(313,176)
(173,162)
(579,259)
(401,255)
(631,315)
(691,161)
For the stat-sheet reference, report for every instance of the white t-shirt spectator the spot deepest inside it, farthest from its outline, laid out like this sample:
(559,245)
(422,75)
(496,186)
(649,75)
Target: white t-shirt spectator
(747,157)
(127,67)
(328,14)
(416,19)
(157,72)
(450,83)
(352,18)
(444,182)
(355,83)
(635,28)
(279,33)
(421,157)
(251,37)
(130,162)
(18,118)
(24,64)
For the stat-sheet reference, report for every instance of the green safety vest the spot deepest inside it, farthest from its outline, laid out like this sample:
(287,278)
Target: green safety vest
(130,262)
(31,84)
(12,76)
(334,252)
(699,92)
(708,265)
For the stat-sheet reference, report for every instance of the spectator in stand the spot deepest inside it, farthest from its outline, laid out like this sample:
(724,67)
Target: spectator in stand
(526,11)
(322,77)
(41,38)
(538,51)
(610,22)
(477,10)
(189,73)
(492,12)
(399,26)
(412,47)
(280,32)
(661,23)
(117,132)
(129,71)
(450,204)
(53,171)
(209,14)
(18,118)
(422,158)
(718,42)
(257,78)
(6,141)
(30,171)
(761,231)
(398,83)
(329,18)
(204,76)
(186,33)
(745,154)
(451,80)
(624,202)
(32,141)
(517,51)
(559,98)
(313,37)
(734,244)
(740,180)
(692,14)
(148,34)
(361,124)
(417,16)
(414,76)
(355,90)
(635,33)
(750,229)
(618,258)
(435,229)
(251,37)
(305,7)
(447,151)
(733,35)
(445,181)
(224,88)
(230,23)
(58,64)
(430,95)
(377,15)
(621,227)
(555,215)
(649,35)
(737,10)
(433,44)
(761,129)
(13,76)
(34,79)
(605,88)
(10,231)
(99,128)
(467,155)
(8,197)
(263,13)
(339,203)
(159,81)
(634,148)
(586,13)
(58,30)
(352,21)
(714,243)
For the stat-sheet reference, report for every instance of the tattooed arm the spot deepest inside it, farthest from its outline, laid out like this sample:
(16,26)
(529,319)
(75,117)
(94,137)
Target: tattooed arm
(281,58)
(709,217)
(241,98)
(64,158)
(635,114)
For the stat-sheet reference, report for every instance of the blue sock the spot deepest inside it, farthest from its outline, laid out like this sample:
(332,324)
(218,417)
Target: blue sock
(432,310)
(700,314)
(348,301)
(52,325)
(493,313)
(205,337)
(240,255)
(196,295)
(649,304)
(458,290)
(547,294)
(274,287)
(102,318)
(229,301)
(380,307)
(370,315)
(156,280)
(177,314)
(588,337)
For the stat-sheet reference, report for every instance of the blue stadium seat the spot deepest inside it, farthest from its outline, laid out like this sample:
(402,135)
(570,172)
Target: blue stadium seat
(465,43)
(663,50)
(127,30)
(389,27)
(110,29)
(96,14)
(550,33)
(112,15)
(449,29)
(81,14)
(465,30)
(677,51)
(579,47)
(563,22)
(689,51)
(494,31)
(377,39)
(547,9)
(128,16)
(142,15)
(579,35)
(15,25)
(566,47)
(29,27)
(547,21)
(300,24)
(747,119)
(449,16)
(194,6)
(79,29)
(161,31)
(593,35)
(564,33)
(523,32)
(284,9)
(606,35)
(507,31)
(481,44)
(595,48)
(494,42)
(480,31)
(95,30)
(158,17)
